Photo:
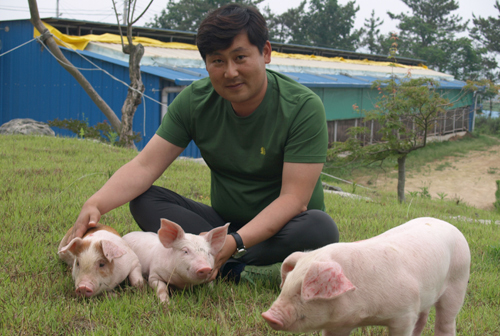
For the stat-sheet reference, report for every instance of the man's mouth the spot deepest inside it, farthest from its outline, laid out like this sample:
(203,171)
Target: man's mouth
(234,85)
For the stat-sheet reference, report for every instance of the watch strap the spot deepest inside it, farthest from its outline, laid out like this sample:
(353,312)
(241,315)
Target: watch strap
(238,240)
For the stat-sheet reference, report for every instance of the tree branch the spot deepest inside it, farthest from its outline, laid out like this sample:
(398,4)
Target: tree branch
(61,59)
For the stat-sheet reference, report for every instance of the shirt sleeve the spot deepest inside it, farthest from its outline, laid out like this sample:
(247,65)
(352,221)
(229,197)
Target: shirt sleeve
(175,124)
(308,136)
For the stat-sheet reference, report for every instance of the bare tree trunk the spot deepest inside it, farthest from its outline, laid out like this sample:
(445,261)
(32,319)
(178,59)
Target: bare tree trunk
(51,44)
(491,108)
(134,95)
(401,178)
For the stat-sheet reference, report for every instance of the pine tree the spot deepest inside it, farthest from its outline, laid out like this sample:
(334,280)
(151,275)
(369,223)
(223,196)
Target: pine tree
(372,37)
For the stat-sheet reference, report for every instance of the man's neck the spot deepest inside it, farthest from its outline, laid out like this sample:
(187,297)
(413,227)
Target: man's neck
(247,108)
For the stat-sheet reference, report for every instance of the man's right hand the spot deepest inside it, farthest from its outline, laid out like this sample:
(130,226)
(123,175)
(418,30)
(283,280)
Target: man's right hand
(88,218)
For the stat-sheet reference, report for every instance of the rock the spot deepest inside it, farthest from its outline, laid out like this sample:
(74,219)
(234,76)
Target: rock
(347,195)
(26,126)
(327,186)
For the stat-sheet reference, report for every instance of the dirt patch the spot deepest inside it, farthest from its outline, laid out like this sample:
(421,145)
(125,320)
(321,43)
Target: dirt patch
(469,179)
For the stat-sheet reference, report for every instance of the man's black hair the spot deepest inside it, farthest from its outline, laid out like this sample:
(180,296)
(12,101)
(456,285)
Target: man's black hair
(218,29)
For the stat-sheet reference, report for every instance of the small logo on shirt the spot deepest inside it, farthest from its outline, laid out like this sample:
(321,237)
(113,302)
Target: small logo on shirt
(262,151)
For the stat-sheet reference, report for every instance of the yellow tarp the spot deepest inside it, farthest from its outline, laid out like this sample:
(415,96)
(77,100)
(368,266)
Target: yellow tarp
(81,42)
(343,60)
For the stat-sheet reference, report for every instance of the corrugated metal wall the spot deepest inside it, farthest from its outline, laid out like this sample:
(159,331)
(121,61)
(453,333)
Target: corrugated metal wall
(34,85)
(339,101)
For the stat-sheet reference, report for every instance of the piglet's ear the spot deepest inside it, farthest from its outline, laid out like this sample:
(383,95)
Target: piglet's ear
(325,280)
(169,233)
(216,238)
(289,264)
(73,247)
(111,251)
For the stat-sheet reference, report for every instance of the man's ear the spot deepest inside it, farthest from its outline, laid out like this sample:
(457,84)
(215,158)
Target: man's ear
(266,52)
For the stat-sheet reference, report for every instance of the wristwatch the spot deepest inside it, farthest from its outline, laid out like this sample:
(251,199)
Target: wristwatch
(240,248)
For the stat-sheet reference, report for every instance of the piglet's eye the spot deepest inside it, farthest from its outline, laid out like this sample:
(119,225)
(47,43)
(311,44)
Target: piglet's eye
(185,250)
(77,263)
(102,264)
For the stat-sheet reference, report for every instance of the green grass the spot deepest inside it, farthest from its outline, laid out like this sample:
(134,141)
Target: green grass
(45,181)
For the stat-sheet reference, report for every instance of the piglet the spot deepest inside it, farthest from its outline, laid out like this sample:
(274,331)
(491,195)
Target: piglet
(390,280)
(100,261)
(173,257)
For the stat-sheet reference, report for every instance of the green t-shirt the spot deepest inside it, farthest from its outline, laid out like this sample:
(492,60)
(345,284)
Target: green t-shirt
(246,154)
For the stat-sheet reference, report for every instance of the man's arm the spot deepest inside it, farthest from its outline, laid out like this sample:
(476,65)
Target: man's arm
(299,180)
(128,182)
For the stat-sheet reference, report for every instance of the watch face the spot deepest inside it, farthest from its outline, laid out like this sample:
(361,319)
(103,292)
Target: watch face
(239,253)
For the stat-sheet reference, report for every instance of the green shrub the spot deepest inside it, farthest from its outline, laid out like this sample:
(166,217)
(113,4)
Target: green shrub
(486,125)
(101,131)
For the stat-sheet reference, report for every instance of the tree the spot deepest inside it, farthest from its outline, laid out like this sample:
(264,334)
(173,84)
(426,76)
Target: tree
(187,14)
(325,24)
(406,110)
(289,26)
(371,37)
(487,30)
(136,87)
(429,33)
(331,25)
(72,70)
(124,127)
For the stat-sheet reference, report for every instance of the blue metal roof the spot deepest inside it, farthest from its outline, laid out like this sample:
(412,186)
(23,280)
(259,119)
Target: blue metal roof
(179,77)
(185,76)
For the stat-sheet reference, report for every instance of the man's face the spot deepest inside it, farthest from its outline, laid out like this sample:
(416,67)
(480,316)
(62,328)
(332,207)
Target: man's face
(238,73)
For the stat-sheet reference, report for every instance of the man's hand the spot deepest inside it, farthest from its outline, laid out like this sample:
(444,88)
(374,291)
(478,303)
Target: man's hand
(227,251)
(88,218)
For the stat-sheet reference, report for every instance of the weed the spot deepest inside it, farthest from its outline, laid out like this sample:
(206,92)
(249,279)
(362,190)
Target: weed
(443,166)
(492,170)
(442,195)
(413,194)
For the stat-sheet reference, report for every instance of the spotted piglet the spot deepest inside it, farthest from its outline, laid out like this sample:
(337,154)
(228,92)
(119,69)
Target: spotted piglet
(101,260)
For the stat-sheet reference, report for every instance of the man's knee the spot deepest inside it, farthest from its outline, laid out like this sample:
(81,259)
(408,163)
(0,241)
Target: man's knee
(141,202)
(325,230)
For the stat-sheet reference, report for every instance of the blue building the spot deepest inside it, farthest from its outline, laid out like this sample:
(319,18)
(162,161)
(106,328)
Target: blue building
(34,85)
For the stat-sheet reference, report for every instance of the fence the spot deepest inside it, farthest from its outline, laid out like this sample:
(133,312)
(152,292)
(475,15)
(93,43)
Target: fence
(452,121)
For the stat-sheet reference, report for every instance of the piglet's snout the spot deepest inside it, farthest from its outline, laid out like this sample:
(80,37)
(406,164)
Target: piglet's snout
(273,320)
(203,272)
(85,289)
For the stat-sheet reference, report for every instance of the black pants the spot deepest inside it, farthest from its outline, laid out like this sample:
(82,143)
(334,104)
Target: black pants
(307,231)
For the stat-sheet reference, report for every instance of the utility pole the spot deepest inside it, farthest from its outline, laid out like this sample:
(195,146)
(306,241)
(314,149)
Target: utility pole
(57,9)
(125,11)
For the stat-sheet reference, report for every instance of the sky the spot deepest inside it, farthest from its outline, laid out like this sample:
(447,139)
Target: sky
(102,10)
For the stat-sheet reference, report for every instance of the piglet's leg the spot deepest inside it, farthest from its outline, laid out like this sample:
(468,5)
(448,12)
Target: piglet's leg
(161,289)
(422,320)
(337,332)
(403,326)
(135,277)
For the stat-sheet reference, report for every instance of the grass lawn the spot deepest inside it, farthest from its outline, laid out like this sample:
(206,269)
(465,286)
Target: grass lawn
(45,181)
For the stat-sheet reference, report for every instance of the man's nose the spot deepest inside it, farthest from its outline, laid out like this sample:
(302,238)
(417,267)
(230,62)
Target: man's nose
(231,70)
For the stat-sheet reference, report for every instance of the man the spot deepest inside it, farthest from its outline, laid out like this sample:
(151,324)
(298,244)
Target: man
(264,138)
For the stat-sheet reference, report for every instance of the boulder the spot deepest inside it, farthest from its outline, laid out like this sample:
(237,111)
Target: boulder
(26,126)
